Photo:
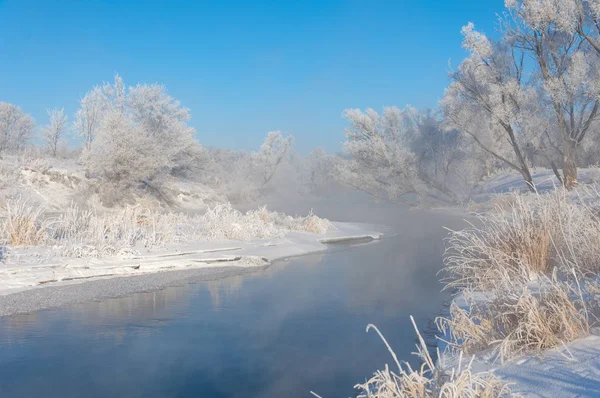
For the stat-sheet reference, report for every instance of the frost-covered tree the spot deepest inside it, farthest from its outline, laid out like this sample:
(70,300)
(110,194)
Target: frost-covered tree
(95,105)
(320,170)
(89,116)
(123,152)
(16,127)
(273,152)
(561,37)
(53,132)
(242,176)
(230,173)
(388,156)
(140,134)
(491,101)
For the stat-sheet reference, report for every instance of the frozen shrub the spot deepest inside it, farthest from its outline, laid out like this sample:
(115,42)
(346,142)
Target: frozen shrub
(224,222)
(312,223)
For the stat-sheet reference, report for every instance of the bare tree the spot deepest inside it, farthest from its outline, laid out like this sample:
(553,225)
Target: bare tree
(53,132)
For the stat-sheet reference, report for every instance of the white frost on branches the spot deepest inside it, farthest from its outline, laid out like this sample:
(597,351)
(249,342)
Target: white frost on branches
(16,127)
(490,101)
(53,132)
(541,13)
(139,133)
(273,152)
(390,156)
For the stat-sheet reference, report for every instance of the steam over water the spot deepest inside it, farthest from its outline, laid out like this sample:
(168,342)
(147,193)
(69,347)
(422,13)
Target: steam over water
(280,332)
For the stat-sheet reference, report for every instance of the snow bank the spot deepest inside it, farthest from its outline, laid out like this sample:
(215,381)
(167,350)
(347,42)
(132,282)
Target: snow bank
(572,370)
(33,267)
(528,299)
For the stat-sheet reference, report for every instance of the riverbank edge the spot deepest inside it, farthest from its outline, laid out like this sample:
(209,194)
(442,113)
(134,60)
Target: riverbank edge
(113,278)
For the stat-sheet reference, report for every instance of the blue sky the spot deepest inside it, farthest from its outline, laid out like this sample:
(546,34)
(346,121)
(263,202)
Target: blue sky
(243,67)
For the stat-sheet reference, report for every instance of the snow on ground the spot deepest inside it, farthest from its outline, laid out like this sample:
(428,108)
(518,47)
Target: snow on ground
(34,267)
(556,373)
(544,180)
(570,371)
(57,183)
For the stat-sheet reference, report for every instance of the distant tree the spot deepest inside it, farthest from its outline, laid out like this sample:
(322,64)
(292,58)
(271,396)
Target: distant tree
(321,169)
(53,132)
(16,127)
(89,116)
(390,156)
(273,152)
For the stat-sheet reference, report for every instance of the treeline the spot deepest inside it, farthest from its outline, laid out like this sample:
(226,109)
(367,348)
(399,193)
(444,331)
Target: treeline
(530,98)
(139,137)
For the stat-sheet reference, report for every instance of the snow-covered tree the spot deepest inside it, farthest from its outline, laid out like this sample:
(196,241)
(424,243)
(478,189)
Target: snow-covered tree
(89,116)
(95,105)
(273,152)
(561,36)
(16,127)
(53,132)
(491,101)
(320,170)
(123,152)
(140,133)
(387,156)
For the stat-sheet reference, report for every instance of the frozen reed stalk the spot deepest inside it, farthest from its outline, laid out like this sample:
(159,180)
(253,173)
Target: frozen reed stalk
(431,379)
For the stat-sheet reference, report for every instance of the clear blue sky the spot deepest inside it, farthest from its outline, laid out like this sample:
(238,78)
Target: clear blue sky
(242,67)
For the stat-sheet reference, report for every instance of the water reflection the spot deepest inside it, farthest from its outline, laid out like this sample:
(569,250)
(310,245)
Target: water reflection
(294,327)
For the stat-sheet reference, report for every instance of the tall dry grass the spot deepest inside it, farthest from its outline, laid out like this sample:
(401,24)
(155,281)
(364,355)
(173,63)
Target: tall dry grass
(535,235)
(527,276)
(23,225)
(83,232)
(516,320)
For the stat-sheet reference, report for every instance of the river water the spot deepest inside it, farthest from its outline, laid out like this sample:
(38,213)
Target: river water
(283,331)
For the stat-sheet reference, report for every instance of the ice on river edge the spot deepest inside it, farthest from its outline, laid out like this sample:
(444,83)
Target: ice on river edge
(16,276)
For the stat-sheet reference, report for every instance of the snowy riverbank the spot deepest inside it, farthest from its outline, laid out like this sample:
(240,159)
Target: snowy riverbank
(29,270)
(567,371)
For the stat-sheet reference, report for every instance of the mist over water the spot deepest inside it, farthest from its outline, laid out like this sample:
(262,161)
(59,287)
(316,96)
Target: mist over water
(296,326)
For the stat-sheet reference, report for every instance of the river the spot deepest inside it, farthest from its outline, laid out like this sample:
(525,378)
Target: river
(296,326)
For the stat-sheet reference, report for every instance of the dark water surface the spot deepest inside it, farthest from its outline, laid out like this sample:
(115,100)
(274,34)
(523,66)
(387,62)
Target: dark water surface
(280,332)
